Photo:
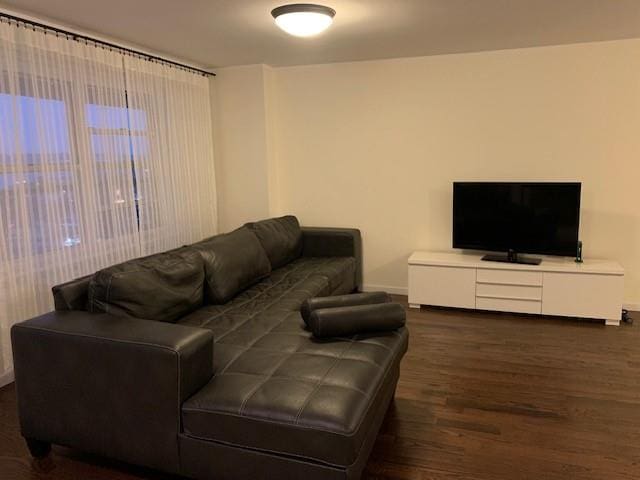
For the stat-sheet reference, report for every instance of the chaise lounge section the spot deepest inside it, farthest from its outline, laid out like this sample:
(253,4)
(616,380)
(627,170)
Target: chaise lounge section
(215,376)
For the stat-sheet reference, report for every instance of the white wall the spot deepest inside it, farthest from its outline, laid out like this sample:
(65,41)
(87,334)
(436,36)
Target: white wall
(376,145)
(243,139)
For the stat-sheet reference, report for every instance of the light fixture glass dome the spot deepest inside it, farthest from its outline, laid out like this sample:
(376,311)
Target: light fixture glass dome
(303,19)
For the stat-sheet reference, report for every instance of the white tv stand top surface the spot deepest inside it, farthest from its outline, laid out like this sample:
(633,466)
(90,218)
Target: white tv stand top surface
(549,264)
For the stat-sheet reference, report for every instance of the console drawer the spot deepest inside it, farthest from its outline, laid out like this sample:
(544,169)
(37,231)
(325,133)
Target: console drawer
(442,286)
(509,277)
(518,292)
(509,305)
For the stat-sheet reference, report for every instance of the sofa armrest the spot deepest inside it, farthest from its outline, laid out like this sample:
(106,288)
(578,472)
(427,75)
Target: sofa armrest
(106,385)
(334,242)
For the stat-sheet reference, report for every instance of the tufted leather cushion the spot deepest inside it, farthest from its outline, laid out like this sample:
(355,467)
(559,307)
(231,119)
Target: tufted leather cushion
(297,395)
(280,237)
(163,287)
(233,262)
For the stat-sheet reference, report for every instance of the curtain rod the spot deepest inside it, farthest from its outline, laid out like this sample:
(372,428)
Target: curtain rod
(78,36)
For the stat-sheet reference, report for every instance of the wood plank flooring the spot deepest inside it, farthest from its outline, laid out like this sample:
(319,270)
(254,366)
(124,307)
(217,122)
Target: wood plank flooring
(481,397)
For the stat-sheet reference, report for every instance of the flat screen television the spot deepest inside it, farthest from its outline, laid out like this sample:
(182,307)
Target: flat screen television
(516,217)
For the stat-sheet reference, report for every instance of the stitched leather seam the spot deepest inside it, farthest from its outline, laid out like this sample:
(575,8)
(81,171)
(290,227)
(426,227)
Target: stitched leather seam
(260,384)
(288,456)
(178,259)
(297,352)
(298,425)
(298,379)
(267,306)
(274,370)
(209,320)
(365,342)
(244,350)
(235,307)
(315,389)
(93,337)
(251,345)
(232,307)
(237,327)
(286,275)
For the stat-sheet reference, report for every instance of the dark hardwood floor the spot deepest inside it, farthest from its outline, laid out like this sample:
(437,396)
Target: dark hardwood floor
(481,397)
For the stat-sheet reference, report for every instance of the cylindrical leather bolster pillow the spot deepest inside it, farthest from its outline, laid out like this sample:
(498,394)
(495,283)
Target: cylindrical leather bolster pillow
(347,321)
(367,298)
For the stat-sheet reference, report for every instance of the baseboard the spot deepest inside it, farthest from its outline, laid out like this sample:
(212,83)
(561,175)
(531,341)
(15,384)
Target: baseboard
(6,378)
(385,288)
(632,306)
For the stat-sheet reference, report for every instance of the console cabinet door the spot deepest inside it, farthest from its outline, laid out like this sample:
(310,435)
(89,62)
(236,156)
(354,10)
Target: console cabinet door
(582,295)
(442,286)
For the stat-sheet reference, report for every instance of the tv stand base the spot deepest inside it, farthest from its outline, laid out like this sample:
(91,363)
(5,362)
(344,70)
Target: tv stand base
(511,257)
(557,287)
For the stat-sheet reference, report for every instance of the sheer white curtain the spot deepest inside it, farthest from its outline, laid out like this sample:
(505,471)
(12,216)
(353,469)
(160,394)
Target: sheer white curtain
(87,180)
(66,200)
(174,165)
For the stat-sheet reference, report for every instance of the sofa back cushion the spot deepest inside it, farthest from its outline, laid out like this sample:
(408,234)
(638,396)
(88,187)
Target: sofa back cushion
(280,237)
(72,295)
(233,261)
(163,287)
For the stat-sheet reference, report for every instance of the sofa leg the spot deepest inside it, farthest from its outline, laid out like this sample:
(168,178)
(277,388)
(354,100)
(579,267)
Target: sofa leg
(38,448)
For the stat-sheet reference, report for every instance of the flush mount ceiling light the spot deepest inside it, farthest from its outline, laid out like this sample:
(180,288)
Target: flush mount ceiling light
(303,19)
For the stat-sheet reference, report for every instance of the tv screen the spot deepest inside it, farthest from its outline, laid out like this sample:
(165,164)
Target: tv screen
(538,218)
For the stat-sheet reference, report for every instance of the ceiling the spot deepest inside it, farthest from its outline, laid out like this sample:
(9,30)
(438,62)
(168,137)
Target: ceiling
(217,33)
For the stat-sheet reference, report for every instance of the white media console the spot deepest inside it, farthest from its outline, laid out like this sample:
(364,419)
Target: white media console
(558,286)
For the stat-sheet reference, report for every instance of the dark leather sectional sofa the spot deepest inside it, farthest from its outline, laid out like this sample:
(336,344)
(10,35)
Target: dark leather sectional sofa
(197,362)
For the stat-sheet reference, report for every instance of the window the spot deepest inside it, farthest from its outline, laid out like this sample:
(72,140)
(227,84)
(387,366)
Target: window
(115,134)
(52,173)
(71,201)
(38,130)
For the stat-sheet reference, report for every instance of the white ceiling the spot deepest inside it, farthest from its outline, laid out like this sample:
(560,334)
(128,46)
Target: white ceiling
(215,33)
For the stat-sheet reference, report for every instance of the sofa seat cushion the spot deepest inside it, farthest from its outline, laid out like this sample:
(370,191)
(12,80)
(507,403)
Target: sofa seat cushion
(244,319)
(297,395)
(164,287)
(340,272)
(291,394)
